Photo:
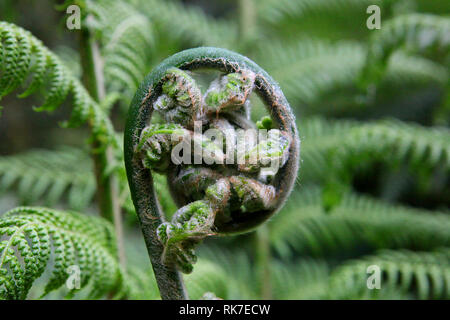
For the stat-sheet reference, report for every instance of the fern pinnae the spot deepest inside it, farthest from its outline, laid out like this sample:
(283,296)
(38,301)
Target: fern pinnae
(310,69)
(189,22)
(127,37)
(10,41)
(47,175)
(427,274)
(76,240)
(415,31)
(305,227)
(389,141)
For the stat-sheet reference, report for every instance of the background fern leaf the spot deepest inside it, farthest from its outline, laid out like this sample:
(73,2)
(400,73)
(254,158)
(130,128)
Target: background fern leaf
(25,57)
(33,235)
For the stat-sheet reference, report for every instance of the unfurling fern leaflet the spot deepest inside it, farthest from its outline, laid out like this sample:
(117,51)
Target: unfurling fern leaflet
(25,61)
(31,237)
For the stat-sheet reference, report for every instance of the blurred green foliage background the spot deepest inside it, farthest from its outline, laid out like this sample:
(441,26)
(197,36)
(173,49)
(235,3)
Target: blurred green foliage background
(372,108)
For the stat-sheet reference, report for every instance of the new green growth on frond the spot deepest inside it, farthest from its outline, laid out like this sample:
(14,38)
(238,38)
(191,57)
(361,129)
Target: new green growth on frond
(47,175)
(426,274)
(30,236)
(26,62)
(340,145)
(416,32)
(305,226)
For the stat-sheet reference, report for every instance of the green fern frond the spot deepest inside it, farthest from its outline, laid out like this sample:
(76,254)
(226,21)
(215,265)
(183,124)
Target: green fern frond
(335,145)
(139,285)
(70,58)
(305,226)
(127,39)
(275,11)
(209,277)
(415,32)
(25,61)
(305,280)
(189,23)
(426,274)
(327,19)
(310,69)
(46,175)
(231,275)
(30,236)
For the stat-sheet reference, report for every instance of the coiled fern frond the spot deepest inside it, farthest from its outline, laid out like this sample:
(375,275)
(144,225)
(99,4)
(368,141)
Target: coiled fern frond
(30,236)
(26,62)
(426,274)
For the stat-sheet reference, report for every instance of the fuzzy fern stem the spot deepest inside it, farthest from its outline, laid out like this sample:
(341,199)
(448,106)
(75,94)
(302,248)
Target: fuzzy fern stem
(107,185)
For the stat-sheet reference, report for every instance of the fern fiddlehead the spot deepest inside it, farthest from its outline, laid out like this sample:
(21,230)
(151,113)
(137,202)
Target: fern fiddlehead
(213,200)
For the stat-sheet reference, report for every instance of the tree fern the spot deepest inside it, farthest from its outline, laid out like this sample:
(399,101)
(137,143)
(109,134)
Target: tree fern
(46,175)
(319,56)
(300,280)
(413,31)
(184,22)
(139,285)
(127,39)
(339,143)
(426,274)
(30,236)
(304,226)
(310,69)
(64,175)
(26,61)
(274,12)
